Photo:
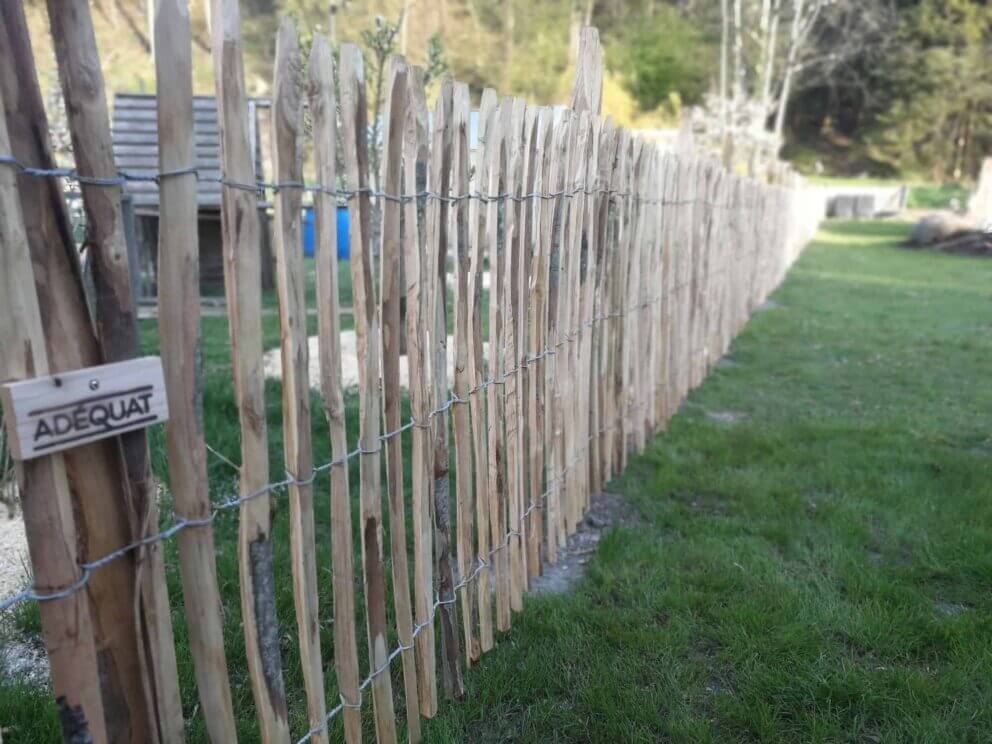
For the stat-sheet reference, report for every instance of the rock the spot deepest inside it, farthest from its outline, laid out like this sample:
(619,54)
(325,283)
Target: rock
(937,227)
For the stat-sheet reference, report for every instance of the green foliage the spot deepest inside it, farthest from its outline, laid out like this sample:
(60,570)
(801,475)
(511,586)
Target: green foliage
(436,65)
(931,196)
(663,55)
(939,87)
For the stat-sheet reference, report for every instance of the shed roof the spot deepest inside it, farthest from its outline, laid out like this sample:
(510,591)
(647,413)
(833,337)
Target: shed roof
(135,141)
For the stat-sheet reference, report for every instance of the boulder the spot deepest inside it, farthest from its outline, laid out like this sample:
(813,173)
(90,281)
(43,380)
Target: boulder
(938,227)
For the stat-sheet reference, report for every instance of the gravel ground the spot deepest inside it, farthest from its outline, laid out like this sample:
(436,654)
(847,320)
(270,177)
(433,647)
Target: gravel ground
(13,554)
(349,361)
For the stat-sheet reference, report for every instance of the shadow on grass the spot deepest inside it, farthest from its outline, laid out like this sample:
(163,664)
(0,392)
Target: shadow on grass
(863,231)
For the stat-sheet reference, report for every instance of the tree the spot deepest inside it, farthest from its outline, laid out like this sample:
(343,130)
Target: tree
(663,55)
(937,115)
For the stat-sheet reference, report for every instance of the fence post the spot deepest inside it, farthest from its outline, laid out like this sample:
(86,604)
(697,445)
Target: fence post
(367,334)
(511,325)
(461,415)
(557,181)
(287,132)
(436,247)
(476,364)
(397,88)
(323,109)
(179,333)
(539,238)
(243,289)
(415,156)
(45,498)
(148,678)
(497,366)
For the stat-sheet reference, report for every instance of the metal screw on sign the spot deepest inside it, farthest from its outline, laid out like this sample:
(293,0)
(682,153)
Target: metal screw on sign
(94,384)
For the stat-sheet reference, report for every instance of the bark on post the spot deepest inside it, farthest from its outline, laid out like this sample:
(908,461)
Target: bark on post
(367,334)
(179,331)
(287,128)
(45,497)
(243,289)
(323,110)
(389,288)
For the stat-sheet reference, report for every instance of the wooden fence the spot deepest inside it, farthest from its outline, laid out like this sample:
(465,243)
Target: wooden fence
(606,276)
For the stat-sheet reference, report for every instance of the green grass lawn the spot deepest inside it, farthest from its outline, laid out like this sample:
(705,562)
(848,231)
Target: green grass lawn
(818,569)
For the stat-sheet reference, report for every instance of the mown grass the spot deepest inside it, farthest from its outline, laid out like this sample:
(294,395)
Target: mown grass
(816,570)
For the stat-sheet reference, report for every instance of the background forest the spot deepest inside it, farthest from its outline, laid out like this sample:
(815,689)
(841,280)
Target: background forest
(878,87)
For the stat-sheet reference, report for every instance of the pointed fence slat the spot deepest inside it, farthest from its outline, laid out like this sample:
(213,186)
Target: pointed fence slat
(607,276)
(323,110)
(415,156)
(436,248)
(496,255)
(287,127)
(241,231)
(367,333)
(397,89)
(179,333)
(477,366)
(539,239)
(461,416)
(49,522)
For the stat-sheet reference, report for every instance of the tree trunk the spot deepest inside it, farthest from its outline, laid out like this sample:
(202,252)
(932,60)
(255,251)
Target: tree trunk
(508,22)
(768,60)
(790,67)
(724,32)
(738,55)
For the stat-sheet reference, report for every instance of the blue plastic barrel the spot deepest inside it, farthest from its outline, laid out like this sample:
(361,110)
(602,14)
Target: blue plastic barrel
(344,244)
(343,229)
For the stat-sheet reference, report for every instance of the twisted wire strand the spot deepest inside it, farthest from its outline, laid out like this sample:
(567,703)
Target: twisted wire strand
(124,177)
(481,564)
(181,523)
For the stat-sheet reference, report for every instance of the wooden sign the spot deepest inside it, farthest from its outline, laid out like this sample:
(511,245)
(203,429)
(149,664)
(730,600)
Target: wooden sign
(53,413)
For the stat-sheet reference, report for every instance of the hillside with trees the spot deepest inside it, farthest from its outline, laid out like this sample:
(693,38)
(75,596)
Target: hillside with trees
(884,87)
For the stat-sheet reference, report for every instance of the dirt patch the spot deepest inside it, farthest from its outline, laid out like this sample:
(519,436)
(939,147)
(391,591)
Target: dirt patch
(726,417)
(949,608)
(605,510)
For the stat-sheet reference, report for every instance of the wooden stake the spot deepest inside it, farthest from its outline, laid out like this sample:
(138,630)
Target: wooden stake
(587,285)
(556,305)
(461,415)
(287,120)
(134,626)
(354,128)
(603,306)
(539,236)
(243,289)
(49,521)
(573,246)
(494,402)
(477,364)
(415,156)
(179,334)
(511,338)
(323,110)
(438,182)
(397,86)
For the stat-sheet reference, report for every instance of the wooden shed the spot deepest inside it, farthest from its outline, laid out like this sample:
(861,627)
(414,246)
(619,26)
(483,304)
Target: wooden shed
(135,140)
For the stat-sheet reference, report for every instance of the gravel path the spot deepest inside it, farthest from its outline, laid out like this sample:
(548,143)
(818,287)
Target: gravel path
(13,554)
